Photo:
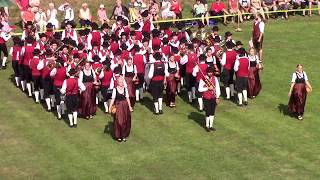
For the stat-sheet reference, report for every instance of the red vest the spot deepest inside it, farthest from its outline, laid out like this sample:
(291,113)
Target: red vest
(33,66)
(60,76)
(96,37)
(16,56)
(45,72)
(41,45)
(155,42)
(231,57)
(107,78)
(181,35)
(168,32)
(49,34)
(28,54)
(202,68)
(158,73)
(114,46)
(125,55)
(192,59)
(177,58)
(96,66)
(210,95)
(256,31)
(139,63)
(146,26)
(66,33)
(138,35)
(166,50)
(243,70)
(2,41)
(72,86)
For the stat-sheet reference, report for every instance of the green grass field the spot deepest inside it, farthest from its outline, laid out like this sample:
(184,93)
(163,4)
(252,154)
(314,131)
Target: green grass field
(260,141)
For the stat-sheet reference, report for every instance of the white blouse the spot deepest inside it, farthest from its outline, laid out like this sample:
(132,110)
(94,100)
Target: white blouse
(300,75)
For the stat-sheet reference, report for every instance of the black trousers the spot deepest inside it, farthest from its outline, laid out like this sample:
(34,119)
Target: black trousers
(241,84)
(27,73)
(190,81)
(209,106)
(156,90)
(227,77)
(72,103)
(141,81)
(47,85)
(15,67)
(36,82)
(3,48)
(57,94)
(198,94)
(106,93)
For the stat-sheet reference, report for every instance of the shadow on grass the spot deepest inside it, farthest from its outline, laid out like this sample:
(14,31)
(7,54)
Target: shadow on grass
(148,103)
(198,118)
(283,108)
(108,129)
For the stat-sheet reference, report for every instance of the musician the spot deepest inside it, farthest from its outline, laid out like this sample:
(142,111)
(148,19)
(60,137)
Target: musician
(172,76)
(139,61)
(36,74)
(95,51)
(105,78)
(27,53)
(69,32)
(41,44)
(59,74)
(214,34)
(158,80)
(129,72)
(241,67)
(94,36)
(228,37)
(4,37)
(88,105)
(122,116)
(64,54)
(227,61)
(190,80)
(198,73)
(45,66)
(254,84)
(210,89)
(105,52)
(298,92)
(71,88)
(257,34)
(49,31)
(15,52)
(117,62)
(29,30)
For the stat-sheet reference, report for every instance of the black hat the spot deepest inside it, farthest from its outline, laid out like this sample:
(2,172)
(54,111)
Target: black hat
(155,32)
(136,25)
(69,23)
(96,58)
(54,42)
(81,46)
(216,39)
(229,44)
(157,56)
(215,28)
(202,57)
(165,40)
(228,33)
(107,62)
(209,69)
(49,26)
(175,50)
(94,26)
(136,48)
(119,18)
(105,26)
(29,23)
(190,46)
(29,39)
(241,52)
(123,46)
(16,40)
(42,35)
(239,43)
(72,71)
(105,44)
(36,52)
(145,13)
(118,52)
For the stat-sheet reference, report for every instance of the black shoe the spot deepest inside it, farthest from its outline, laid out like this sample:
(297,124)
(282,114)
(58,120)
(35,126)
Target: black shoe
(75,125)
(213,129)
(71,126)
(160,112)
(240,105)
(59,118)
(156,113)
(4,67)
(208,130)
(245,103)
(49,110)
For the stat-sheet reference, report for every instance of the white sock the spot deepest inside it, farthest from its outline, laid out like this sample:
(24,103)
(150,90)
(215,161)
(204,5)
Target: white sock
(23,85)
(141,93)
(232,89)
(240,98)
(70,116)
(29,89)
(156,106)
(193,90)
(4,60)
(17,81)
(137,95)
(245,95)
(75,117)
(160,103)
(182,82)
(52,100)
(48,103)
(207,122)
(97,99)
(211,118)
(200,102)
(59,111)
(190,96)
(178,87)
(106,106)
(32,87)
(63,107)
(36,95)
(41,94)
(228,92)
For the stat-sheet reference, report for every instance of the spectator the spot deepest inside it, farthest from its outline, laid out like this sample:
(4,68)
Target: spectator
(41,20)
(218,9)
(199,10)
(177,8)
(245,7)
(5,23)
(52,16)
(269,5)
(316,3)
(119,10)
(102,15)
(234,9)
(302,4)
(85,15)
(140,5)
(68,13)
(256,7)
(166,11)
(154,10)
(133,12)
(283,5)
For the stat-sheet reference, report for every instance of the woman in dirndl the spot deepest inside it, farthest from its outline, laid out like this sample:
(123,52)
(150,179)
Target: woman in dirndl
(129,71)
(88,105)
(298,92)
(173,76)
(254,84)
(122,113)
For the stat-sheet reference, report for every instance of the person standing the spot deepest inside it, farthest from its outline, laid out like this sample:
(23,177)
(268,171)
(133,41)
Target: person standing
(241,67)
(71,87)
(129,72)
(254,84)
(85,15)
(122,115)
(69,14)
(4,37)
(52,16)
(198,73)
(105,78)
(173,76)
(257,34)
(210,89)
(298,92)
(36,74)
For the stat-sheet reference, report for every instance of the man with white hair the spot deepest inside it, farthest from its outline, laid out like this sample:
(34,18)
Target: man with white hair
(69,14)
(85,15)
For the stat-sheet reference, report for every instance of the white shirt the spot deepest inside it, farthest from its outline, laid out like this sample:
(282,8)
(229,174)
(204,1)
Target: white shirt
(151,70)
(300,75)
(127,68)
(64,86)
(203,87)
(81,74)
(261,25)
(5,36)
(224,57)
(114,93)
(184,60)
(69,14)
(169,65)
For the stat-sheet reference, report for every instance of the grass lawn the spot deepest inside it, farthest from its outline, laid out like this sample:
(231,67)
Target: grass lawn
(260,141)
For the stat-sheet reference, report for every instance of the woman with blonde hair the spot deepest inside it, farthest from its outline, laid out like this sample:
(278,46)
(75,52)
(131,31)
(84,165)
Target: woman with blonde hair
(254,84)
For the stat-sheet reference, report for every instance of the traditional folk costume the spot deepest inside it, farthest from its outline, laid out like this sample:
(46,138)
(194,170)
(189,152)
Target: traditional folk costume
(199,73)
(36,74)
(139,61)
(15,52)
(4,37)
(241,67)
(59,74)
(130,73)
(27,52)
(105,78)
(190,80)
(254,84)
(172,76)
